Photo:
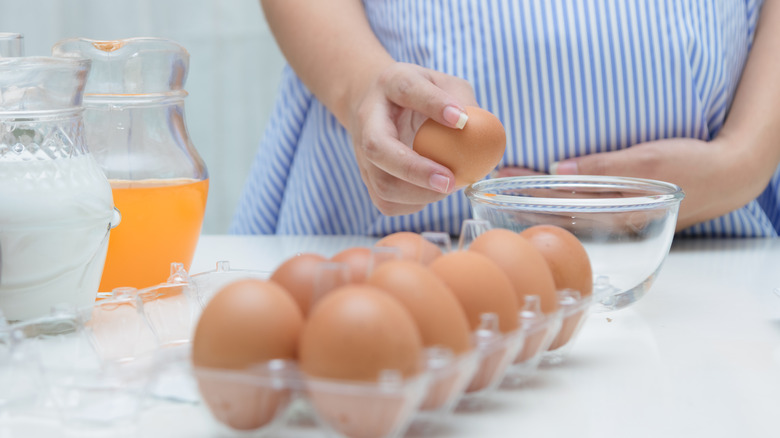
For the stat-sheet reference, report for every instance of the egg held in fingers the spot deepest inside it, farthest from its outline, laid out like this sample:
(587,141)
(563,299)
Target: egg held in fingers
(470,153)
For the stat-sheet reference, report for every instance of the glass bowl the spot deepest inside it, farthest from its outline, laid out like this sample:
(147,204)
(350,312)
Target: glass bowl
(626,224)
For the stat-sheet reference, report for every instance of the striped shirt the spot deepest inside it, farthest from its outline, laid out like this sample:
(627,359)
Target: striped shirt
(566,77)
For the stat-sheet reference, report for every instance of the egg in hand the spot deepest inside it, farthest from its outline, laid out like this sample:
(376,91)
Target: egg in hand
(470,153)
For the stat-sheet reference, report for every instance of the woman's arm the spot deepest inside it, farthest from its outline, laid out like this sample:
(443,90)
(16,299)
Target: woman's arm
(333,50)
(331,47)
(752,127)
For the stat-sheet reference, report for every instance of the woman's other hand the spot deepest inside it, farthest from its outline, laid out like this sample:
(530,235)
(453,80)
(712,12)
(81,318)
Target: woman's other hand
(716,176)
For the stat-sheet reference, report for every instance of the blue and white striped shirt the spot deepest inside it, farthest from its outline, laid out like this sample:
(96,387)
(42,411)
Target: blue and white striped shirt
(566,77)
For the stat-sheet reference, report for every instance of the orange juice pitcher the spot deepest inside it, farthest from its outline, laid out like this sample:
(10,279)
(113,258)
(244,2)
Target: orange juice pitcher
(135,127)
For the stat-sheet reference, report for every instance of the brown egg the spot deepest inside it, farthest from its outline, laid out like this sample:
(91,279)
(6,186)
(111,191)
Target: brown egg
(438,314)
(470,153)
(358,260)
(297,276)
(528,271)
(354,334)
(568,260)
(481,287)
(570,267)
(246,323)
(413,246)
(524,265)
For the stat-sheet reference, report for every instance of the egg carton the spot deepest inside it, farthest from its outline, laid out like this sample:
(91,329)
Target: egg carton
(574,309)
(284,402)
(497,357)
(96,366)
(281,397)
(276,399)
(539,330)
(72,366)
(205,284)
(448,378)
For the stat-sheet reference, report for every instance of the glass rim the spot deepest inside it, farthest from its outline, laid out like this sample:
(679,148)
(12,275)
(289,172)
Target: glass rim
(96,100)
(107,46)
(657,194)
(40,116)
(76,63)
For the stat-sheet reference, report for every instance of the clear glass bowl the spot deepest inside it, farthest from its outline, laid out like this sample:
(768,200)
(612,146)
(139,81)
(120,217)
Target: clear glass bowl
(626,224)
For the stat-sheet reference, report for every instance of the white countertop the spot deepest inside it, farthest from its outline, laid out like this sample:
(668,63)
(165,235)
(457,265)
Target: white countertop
(699,356)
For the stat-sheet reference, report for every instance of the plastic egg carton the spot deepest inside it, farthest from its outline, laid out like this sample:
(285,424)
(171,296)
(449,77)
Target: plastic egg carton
(450,376)
(548,338)
(255,399)
(574,311)
(86,372)
(206,284)
(308,406)
(171,308)
(275,399)
(382,409)
(539,330)
(96,366)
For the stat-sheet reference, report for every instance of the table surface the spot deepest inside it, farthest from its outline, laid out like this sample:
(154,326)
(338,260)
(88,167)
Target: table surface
(699,356)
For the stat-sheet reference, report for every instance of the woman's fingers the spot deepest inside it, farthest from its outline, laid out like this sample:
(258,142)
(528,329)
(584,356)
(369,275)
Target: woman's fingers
(416,88)
(409,177)
(399,180)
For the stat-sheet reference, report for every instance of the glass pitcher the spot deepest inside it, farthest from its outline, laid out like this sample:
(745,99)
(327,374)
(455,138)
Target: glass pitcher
(56,207)
(135,127)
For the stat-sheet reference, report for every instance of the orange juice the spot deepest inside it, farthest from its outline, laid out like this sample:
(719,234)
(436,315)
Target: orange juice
(161,223)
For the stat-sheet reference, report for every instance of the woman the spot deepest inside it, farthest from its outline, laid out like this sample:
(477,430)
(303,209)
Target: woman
(677,91)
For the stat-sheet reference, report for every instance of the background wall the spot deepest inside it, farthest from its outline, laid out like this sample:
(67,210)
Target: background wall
(234,70)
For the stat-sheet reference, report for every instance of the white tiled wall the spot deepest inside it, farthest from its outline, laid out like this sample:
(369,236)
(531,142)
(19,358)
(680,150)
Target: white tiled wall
(234,70)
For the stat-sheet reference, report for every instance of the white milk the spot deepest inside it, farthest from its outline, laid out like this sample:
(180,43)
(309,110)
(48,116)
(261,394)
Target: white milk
(55,217)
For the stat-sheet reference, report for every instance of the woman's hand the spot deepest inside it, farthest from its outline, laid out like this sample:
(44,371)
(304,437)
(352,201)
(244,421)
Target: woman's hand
(715,176)
(383,122)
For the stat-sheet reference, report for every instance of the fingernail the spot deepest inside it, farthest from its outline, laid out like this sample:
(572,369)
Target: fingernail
(456,117)
(440,183)
(563,168)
